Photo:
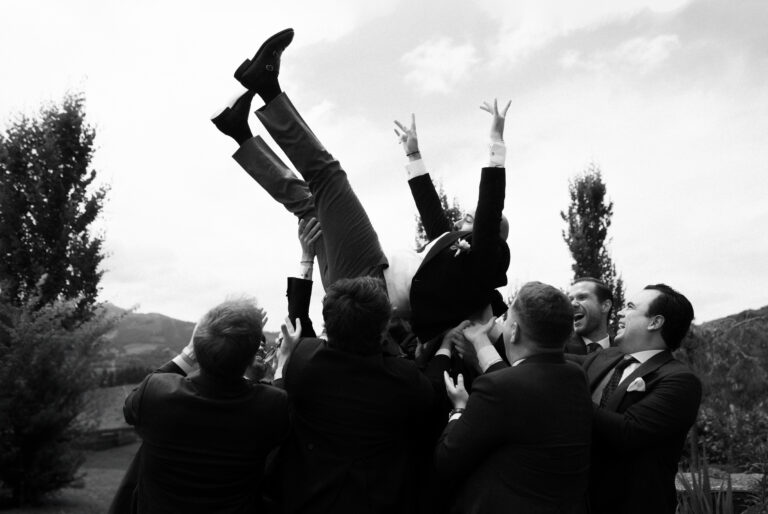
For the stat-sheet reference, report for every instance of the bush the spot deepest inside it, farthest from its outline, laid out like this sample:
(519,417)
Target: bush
(45,369)
(730,356)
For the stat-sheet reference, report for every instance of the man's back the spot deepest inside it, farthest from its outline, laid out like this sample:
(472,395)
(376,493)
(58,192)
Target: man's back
(523,443)
(205,442)
(360,423)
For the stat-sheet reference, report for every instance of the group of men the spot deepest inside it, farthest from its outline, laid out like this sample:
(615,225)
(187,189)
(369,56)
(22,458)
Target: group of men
(534,408)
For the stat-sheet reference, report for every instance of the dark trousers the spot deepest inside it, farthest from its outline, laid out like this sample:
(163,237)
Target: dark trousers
(351,245)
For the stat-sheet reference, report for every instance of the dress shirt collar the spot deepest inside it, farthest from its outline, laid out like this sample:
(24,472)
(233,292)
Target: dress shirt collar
(645,355)
(604,342)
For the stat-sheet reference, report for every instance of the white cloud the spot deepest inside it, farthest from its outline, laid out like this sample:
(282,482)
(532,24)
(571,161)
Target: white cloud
(438,65)
(639,54)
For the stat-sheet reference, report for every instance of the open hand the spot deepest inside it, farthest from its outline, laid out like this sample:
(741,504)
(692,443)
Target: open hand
(309,233)
(456,393)
(408,138)
(291,334)
(497,123)
(477,334)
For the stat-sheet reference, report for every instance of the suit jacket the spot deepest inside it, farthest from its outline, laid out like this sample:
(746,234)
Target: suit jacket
(359,423)
(522,445)
(448,288)
(638,436)
(205,441)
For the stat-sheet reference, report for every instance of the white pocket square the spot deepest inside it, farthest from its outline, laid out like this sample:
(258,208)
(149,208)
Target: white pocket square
(637,384)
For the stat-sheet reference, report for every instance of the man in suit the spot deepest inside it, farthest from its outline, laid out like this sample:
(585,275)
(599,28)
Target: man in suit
(644,403)
(436,289)
(360,416)
(592,302)
(207,435)
(520,441)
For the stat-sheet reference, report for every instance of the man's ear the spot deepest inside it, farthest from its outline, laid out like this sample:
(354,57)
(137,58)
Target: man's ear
(605,306)
(656,322)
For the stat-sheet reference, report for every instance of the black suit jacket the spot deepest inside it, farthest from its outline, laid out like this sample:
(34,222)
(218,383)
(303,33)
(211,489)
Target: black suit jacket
(359,423)
(522,445)
(638,437)
(205,441)
(448,288)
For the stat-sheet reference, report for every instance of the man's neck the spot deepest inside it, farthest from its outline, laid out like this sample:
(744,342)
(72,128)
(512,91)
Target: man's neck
(596,335)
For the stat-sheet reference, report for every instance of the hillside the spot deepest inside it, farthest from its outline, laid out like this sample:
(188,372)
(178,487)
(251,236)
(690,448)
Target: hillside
(145,340)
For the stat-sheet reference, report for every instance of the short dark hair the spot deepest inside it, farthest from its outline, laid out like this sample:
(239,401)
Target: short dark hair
(545,314)
(356,313)
(602,291)
(677,312)
(228,337)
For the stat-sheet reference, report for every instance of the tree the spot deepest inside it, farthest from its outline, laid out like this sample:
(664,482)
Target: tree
(47,203)
(45,370)
(49,277)
(452,211)
(588,219)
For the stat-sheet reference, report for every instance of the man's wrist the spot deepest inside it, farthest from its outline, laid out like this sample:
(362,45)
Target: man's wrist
(498,154)
(414,156)
(415,168)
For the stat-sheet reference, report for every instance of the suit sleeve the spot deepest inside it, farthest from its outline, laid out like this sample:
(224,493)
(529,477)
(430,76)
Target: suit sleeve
(428,204)
(668,409)
(468,440)
(299,293)
(486,241)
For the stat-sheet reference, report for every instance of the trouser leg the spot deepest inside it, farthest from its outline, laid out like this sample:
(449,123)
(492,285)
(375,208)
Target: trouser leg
(282,184)
(351,244)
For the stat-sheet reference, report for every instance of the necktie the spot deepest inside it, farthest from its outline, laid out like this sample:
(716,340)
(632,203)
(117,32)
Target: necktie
(613,383)
(593,347)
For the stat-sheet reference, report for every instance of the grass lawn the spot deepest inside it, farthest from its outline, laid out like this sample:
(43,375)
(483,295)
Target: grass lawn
(103,472)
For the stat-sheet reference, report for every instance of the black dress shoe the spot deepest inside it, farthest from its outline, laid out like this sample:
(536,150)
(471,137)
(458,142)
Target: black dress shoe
(265,64)
(233,119)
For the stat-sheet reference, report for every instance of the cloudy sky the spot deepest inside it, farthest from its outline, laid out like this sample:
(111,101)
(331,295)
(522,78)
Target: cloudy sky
(668,97)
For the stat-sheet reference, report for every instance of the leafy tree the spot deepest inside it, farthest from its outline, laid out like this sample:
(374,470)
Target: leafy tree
(49,277)
(45,369)
(452,211)
(588,219)
(47,203)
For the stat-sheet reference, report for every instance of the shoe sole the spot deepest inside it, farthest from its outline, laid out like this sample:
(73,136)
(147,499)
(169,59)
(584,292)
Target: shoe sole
(242,70)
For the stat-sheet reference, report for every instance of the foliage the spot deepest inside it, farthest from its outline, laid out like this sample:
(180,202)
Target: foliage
(47,203)
(452,211)
(123,376)
(588,219)
(699,498)
(730,356)
(45,369)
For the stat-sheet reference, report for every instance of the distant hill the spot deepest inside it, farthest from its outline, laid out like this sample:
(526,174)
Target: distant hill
(145,340)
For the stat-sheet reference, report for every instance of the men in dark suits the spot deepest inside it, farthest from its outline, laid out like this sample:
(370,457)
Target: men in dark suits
(644,403)
(443,285)
(360,416)
(592,302)
(207,435)
(520,441)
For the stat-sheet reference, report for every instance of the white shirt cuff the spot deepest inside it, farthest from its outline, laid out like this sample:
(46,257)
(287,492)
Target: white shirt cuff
(415,168)
(454,416)
(443,351)
(487,356)
(498,151)
(186,366)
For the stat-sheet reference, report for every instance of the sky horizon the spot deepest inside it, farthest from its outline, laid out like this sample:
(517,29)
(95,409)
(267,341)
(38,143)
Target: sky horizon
(668,98)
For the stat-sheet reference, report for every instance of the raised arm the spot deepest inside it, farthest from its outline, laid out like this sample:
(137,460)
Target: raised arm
(486,229)
(423,190)
(300,289)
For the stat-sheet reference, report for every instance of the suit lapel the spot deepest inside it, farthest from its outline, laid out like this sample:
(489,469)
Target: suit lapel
(603,362)
(645,368)
(445,241)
